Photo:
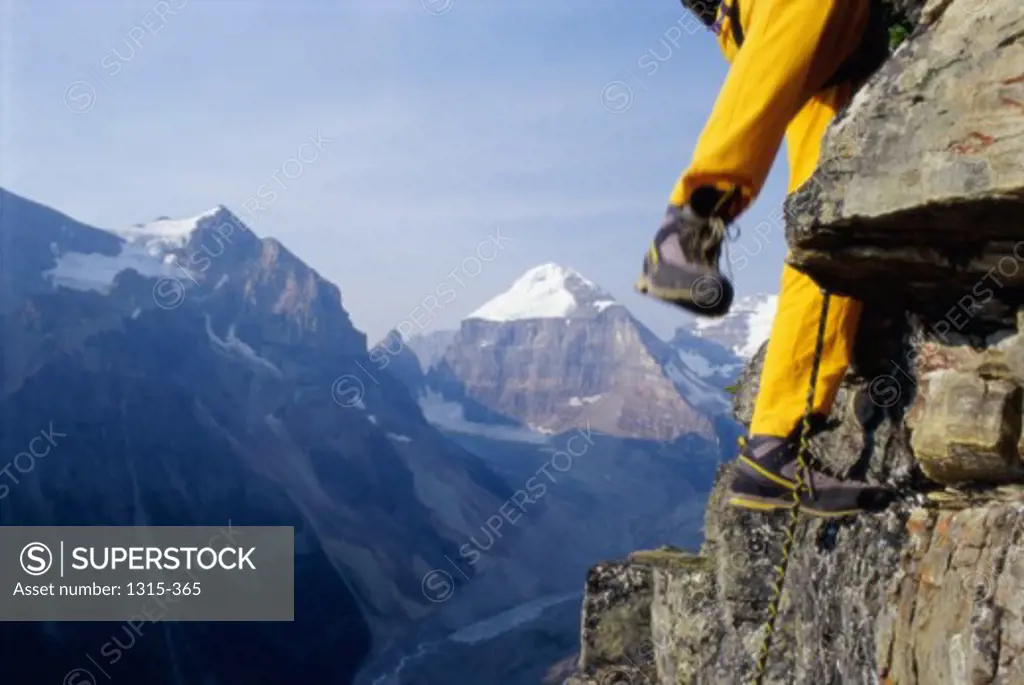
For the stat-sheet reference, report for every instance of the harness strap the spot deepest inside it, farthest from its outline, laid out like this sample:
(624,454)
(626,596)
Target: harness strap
(732,10)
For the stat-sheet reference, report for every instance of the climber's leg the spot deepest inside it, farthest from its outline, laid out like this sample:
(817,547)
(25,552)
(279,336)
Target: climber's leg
(786,376)
(766,473)
(791,48)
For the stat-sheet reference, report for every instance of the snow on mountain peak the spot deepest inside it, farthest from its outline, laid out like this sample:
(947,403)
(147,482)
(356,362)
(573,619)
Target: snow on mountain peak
(175,232)
(149,249)
(745,328)
(548,291)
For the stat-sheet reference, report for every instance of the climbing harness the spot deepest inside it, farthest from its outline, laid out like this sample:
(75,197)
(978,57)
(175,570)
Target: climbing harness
(802,483)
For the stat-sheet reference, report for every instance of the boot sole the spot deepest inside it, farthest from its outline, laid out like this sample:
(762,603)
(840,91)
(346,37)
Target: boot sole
(680,297)
(753,503)
(822,514)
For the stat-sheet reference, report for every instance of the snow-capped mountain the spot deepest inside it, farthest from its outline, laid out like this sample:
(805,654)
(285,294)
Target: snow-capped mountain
(151,250)
(743,330)
(556,352)
(201,374)
(553,375)
(548,291)
(206,374)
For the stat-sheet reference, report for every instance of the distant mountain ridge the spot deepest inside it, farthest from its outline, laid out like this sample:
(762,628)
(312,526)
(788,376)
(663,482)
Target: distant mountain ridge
(555,352)
(560,389)
(201,374)
(743,330)
(210,373)
(501,362)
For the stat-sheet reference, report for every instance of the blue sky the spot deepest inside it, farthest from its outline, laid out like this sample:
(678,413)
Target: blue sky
(558,126)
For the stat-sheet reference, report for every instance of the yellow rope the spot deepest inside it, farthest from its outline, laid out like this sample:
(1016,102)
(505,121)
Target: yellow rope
(801,483)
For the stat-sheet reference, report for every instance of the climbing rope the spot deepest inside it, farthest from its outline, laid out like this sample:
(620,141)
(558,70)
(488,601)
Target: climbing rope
(801,484)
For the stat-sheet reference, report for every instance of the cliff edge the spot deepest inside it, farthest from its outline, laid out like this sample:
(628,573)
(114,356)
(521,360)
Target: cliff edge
(918,209)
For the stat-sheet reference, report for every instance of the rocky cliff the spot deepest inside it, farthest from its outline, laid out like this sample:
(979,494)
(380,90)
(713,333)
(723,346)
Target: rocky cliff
(918,209)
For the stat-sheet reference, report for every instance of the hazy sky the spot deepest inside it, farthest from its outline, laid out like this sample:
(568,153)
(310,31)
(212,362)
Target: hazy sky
(418,132)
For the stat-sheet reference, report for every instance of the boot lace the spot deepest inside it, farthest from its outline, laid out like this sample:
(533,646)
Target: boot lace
(704,244)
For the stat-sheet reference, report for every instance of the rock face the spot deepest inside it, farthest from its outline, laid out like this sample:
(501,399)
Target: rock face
(555,377)
(919,188)
(929,590)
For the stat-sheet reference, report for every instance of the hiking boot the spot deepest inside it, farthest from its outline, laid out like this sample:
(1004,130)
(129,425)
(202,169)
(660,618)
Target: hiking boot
(681,265)
(765,480)
(758,482)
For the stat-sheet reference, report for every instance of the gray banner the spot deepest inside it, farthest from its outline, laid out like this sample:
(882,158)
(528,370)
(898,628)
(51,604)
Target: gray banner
(138,573)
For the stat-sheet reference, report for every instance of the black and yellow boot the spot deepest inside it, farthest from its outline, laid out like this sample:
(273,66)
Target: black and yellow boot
(681,266)
(765,480)
(758,482)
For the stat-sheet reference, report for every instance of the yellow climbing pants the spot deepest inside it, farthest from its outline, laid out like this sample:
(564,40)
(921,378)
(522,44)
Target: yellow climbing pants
(774,89)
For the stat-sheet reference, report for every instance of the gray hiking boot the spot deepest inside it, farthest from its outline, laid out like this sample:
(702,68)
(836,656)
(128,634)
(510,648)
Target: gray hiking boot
(765,480)
(681,265)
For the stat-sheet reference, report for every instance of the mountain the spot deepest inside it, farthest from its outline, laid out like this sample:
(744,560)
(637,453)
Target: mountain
(548,291)
(206,375)
(428,348)
(203,375)
(743,330)
(715,350)
(715,365)
(607,438)
(555,352)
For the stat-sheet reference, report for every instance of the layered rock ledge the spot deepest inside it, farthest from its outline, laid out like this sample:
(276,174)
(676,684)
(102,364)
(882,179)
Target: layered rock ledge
(920,189)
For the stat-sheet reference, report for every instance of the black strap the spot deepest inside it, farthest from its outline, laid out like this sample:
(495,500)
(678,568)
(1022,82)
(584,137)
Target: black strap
(732,10)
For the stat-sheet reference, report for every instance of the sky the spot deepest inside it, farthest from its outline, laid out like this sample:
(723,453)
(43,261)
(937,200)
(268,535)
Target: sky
(394,145)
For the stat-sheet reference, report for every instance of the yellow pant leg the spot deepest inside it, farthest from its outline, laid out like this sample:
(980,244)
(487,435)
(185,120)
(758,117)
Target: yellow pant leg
(785,378)
(790,48)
